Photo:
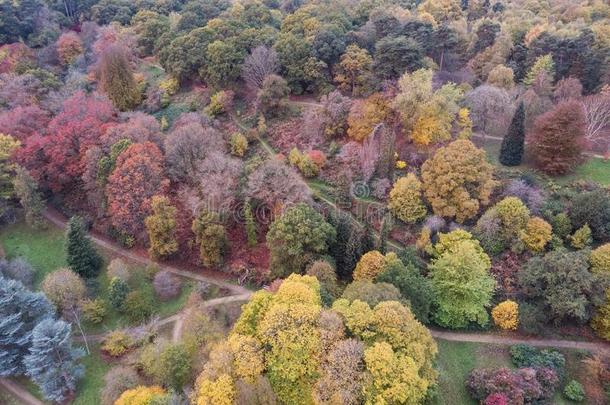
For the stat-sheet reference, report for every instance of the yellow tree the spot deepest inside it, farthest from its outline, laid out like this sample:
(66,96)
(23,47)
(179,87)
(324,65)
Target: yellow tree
(161,228)
(140,395)
(365,115)
(506,315)
(458,180)
(354,71)
(8,146)
(537,234)
(406,199)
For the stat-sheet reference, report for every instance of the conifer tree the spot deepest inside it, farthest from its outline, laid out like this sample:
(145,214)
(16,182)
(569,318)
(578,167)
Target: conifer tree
(20,311)
(52,362)
(511,151)
(161,227)
(250,224)
(82,258)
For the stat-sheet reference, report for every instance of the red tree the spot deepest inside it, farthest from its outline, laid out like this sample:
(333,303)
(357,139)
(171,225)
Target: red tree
(557,139)
(21,122)
(79,126)
(12,54)
(137,177)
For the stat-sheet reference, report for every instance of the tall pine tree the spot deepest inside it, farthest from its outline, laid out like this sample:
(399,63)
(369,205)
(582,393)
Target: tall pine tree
(20,311)
(511,151)
(52,362)
(82,258)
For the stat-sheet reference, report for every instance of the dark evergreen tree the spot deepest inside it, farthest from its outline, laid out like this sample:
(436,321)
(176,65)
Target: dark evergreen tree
(81,256)
(368,240)
(20,311)
(117,292)
(344,229)
(511,151)
(52,362)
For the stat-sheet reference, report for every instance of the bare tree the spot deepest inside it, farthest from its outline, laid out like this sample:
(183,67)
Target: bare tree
(259,64)
(597,115)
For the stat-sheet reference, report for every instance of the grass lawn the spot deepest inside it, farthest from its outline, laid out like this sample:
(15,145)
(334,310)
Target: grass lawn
(456,360)
(90,386)
(593,169)
(44,249)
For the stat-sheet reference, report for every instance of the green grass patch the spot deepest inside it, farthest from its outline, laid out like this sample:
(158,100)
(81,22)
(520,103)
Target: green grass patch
(456,360)
(594,169)
(43,248)
(90,386)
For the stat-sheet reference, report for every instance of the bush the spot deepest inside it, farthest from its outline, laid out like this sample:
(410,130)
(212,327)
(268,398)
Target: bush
(17,269)
(581,238)
(220,103)
(537,234)
(139,305)
(600,259)
(326,275)
(167,286)
(406,199)
(94,311)
(532,319)
(506,315)
(140,396)
(523,355)
(562,226)
(592,208)
(526,385)
(116,381)
(117,292)
(117,343)
(118,268)
(574,391)
(239,144)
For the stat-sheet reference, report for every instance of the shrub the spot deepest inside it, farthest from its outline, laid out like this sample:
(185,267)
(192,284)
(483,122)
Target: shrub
(600,259)
(118,268)
(406,199)
(532,319)
(592,208)
(116,381)
(581,238)
(138,305)
(161,228)
(94,311)
(370,265)
(506,315)
(523,355)
(174,366)
(211,238)
(601,321)
(574,391)
(69,47)
(326,275)
(167,286)
(371,293)
(514,216)
(17,269)
(239,144)
(140,395)
(117,343)
(220,103)
(537,234)
(117,292)
(271,98)
(562,226)
(496,399)
(526,385)
(488,230)
(170,85)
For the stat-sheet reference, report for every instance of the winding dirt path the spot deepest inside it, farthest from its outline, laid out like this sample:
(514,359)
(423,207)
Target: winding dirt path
(599,347)
(59,220)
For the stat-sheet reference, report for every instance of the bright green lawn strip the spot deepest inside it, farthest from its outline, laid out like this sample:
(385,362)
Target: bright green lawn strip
(44,249)
(90,386)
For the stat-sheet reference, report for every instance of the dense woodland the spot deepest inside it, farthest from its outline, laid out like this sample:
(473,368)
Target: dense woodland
(367,169)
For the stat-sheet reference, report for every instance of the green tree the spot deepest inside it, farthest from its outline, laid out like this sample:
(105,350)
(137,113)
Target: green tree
(511,151)
(116,79)
(354,72)
(8,145)
(224,59)
(81,256)
(161,227)
(211,237)
(462,284)
(272,97)
(406,199)
(250,224)
(395,55)
(117,292)
(298,236)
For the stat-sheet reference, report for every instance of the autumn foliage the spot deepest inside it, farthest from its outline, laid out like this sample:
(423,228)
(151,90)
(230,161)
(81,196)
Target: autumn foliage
(139,169)
(557,139)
